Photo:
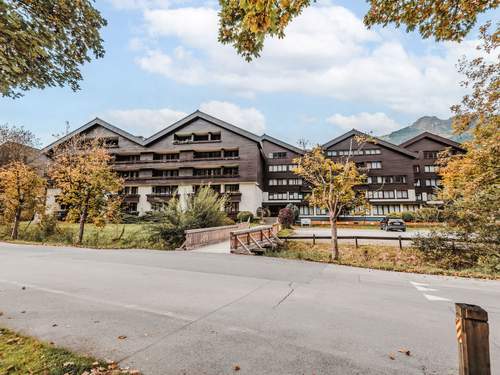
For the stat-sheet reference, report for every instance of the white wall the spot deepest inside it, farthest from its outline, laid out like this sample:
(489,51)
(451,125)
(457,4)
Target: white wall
(143,206)
(51,204)
(251,197)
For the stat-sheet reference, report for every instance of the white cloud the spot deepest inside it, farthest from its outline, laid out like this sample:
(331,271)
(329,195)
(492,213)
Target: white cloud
(143,122)
(249,119)
(139,4)
(374,123)
(327,51)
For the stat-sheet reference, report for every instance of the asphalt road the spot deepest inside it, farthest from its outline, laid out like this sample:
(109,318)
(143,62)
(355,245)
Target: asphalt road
(197,313)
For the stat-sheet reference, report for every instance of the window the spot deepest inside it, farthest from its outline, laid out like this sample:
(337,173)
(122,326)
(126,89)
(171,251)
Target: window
(277,181)
(207,154)
(306,210)
(165,157)
(400,179)
(207,172)
(165,190)
(418,196)
(417,183)
(165,172)
(295,181)
(277,155)
(416,168)
(130,190)
(431,154)
(380,194)
(129,207)
(373,151)
(127,158)
(432,197)
(183,138)
(231,153)
(374,164)
(278,196)
(157,206)
(278,168)
(215,136)
(232,188)
(295,196)
(432,182)
(200,137)
(386,209)
(402,194)
(128,174)
(232,207)
(331,153)
(110,142)
(431,168)
(291,167)
(231,171)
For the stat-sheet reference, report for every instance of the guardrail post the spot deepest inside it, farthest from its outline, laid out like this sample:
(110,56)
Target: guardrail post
(473,339)
(314,239)
(356,241)
(400,243)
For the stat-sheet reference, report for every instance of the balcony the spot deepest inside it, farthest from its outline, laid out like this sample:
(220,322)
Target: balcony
(160,198)
(130,198)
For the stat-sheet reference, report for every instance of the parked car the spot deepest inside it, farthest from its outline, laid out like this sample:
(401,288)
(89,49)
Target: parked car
(395,224)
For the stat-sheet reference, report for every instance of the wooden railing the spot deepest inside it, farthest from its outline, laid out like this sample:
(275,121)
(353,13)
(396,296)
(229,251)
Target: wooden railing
(207,236)
(314,237)
(254,240)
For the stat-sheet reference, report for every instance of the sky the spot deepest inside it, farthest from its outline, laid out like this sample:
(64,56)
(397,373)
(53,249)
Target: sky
(328,75)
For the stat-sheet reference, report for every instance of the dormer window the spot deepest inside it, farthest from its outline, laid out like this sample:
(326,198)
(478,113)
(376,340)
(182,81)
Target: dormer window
(197,137)
(201,137)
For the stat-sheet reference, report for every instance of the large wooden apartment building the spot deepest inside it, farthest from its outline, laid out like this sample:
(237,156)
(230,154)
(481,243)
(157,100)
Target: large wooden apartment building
(256,171)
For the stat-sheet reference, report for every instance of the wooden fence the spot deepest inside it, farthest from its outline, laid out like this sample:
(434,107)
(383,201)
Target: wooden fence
(207,236)
(254,240)
(313,238)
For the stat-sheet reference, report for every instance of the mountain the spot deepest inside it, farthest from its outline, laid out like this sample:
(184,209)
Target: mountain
(430,124)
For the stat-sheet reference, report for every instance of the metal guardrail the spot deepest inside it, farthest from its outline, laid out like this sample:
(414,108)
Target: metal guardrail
(314,237)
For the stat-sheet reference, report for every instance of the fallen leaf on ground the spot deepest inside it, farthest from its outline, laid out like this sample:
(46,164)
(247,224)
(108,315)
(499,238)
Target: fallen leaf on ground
(391,356)
(405,351)
(122,337)
(237,368)
(54,325)
(23,288)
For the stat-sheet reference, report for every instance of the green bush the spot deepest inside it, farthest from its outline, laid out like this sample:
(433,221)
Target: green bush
(229,221)
(295,210)
(286,217)
(204,210)
(408,216)
(263,212)
(244,216)
(460,253)
(48,225)
(428,215)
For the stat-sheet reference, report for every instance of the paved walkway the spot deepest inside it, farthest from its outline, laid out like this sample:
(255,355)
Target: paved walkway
(218,248)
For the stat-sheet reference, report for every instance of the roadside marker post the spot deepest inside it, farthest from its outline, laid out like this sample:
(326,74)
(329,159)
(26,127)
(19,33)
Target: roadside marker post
(472,329)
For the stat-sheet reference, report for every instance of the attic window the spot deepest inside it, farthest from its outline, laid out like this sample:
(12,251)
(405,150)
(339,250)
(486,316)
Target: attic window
(201,137)
(111,142)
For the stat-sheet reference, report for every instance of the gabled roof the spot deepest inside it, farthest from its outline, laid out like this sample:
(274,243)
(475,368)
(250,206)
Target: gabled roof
(379,141)
(89,125)
(434,137)
(276,141)
(195,115)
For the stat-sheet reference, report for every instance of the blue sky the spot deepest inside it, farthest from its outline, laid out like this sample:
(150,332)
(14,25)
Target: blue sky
(328,75)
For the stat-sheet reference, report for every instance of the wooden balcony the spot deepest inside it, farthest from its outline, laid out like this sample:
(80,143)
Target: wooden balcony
(159,198)
(130,198)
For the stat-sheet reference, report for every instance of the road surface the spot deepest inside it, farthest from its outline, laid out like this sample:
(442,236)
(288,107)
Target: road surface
(198,313)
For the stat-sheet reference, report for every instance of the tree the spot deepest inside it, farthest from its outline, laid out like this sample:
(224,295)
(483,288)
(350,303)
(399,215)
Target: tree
(202,210)
(245,24)
(471,181)
(87,185)
(16,144)
(44,42)
(333,186)
(22,191)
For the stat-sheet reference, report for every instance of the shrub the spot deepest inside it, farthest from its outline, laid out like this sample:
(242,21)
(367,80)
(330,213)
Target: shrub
(47,225)
(286,217)
(459,253)
(229,221)
(263,212)
(408,216)
(295,210)
(428,215)
(204,210)
(244,216)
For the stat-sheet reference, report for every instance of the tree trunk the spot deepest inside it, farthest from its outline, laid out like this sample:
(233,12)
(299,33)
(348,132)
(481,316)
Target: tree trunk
(15,228)
(335,243)
(83,219)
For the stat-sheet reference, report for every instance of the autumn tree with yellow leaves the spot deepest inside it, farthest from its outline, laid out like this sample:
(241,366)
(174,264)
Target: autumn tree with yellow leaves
(333,186)
(87,184)
(22,192)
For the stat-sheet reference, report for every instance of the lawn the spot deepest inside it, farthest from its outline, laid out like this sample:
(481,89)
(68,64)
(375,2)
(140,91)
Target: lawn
(116,236)
(389,258)
(20,355)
